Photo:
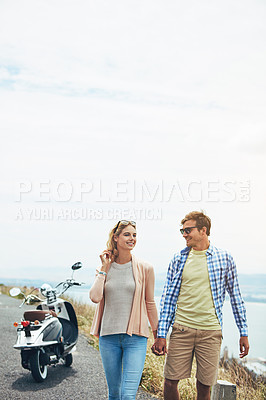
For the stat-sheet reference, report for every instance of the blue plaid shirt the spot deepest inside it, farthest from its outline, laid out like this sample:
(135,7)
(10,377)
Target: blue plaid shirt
(223,276)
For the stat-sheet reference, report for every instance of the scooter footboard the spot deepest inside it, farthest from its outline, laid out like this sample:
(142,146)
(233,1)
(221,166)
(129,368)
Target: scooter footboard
(70,331)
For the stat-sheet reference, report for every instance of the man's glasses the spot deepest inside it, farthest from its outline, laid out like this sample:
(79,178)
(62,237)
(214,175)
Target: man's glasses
(187,230)
(125,222)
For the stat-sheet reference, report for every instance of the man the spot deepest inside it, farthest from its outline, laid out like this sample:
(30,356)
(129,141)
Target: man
(192,302)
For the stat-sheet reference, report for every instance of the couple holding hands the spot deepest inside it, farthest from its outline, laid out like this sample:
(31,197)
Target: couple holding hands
(192,300)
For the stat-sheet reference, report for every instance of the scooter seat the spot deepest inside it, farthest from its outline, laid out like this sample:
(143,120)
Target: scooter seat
(39,315)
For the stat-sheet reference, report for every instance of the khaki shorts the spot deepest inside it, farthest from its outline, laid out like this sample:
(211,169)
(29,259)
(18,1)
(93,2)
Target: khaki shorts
(184,343)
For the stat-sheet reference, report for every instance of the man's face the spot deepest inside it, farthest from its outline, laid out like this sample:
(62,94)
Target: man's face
(195,237)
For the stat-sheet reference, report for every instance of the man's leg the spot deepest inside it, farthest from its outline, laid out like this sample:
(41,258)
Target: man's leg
(171,390)
(203,391)
(207,351)
(179,359)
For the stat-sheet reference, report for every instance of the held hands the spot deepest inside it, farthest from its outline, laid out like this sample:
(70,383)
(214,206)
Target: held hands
(106,259)
(159,347)
(244,346)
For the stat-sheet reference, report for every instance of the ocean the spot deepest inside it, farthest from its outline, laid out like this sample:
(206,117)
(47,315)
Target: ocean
(256,315)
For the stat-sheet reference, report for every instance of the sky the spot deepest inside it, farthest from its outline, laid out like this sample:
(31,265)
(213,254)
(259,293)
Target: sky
(130,110)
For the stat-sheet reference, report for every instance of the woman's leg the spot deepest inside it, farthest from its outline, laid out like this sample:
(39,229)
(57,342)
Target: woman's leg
(111,353)
(134,353)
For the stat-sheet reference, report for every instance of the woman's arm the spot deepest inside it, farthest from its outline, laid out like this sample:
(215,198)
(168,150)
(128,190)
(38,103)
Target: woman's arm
(97,289)
(149,299)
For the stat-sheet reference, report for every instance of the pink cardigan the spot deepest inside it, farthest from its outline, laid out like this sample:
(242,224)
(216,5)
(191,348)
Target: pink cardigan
(143,304)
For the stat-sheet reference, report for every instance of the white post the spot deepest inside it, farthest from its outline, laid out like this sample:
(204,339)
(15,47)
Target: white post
(223,390)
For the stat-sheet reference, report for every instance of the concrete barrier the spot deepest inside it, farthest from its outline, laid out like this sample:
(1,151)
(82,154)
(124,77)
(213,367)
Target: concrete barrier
(223,390)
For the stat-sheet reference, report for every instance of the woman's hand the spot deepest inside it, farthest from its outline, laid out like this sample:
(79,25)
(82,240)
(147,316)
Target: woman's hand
(106,259)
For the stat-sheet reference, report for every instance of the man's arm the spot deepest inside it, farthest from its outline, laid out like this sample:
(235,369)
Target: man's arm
(167,310)
(238,306)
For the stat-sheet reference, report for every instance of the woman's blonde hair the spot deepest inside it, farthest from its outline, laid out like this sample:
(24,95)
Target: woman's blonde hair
(111,243)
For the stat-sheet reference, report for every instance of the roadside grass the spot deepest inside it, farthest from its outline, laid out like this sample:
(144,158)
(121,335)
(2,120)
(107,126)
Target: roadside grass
(5,290)
(248,386)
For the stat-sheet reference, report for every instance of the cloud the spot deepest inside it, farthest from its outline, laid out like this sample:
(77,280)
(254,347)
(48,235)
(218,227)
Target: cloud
(185,54)
(252,140)
(136,91)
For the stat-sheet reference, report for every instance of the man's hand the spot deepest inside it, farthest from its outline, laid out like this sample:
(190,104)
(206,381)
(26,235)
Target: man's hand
(159,347)
(244,346)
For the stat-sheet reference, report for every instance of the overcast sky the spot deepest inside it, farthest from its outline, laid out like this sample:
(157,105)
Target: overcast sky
(130,110)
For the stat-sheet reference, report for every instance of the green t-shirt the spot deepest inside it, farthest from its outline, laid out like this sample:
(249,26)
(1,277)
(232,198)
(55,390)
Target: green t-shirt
(195,307)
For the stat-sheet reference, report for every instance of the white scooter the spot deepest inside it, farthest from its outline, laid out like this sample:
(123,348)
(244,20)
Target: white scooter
(47,335)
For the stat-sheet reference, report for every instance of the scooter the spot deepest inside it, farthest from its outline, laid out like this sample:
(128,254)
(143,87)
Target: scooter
(47,335)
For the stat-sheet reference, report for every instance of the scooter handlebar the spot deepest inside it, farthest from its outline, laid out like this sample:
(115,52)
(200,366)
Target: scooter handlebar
(22,303)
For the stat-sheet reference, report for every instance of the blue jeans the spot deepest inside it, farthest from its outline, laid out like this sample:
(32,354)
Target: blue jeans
(123,358)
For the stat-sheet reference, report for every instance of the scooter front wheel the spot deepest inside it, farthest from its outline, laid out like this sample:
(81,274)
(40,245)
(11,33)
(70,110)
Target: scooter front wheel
(38,369)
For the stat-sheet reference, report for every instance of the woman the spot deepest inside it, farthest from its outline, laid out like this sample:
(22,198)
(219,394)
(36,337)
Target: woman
(124,291)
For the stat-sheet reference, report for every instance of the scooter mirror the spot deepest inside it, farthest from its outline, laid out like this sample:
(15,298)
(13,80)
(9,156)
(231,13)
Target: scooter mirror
(77,265)
(15,291)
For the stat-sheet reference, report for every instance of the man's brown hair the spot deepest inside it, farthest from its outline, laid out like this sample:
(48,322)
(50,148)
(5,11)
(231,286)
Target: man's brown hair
(201,220)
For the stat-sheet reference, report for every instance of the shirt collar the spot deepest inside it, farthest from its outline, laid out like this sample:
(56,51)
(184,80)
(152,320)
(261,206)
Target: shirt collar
(210,250)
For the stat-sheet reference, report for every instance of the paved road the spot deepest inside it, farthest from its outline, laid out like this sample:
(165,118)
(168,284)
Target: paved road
(84,380)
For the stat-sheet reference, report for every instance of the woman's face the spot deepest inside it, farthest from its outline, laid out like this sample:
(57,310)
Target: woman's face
(127,238)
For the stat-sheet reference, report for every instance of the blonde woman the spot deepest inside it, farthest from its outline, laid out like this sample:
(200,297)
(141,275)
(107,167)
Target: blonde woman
(124,292)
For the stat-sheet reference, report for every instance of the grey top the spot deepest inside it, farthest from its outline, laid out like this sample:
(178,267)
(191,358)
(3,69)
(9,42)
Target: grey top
(118,296)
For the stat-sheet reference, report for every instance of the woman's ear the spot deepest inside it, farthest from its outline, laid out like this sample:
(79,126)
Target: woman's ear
(115,238)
